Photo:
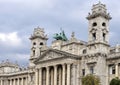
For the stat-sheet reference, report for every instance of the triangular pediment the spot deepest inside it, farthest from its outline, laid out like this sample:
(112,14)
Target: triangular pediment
(52,54)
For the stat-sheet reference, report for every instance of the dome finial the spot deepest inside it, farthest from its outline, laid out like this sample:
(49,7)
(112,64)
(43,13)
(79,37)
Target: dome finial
(99,2)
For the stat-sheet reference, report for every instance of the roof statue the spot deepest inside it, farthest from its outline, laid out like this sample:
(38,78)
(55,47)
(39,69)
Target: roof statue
(73,35)
(60,36)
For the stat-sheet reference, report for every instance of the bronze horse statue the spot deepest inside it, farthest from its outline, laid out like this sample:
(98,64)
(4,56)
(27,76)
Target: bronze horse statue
(60,36)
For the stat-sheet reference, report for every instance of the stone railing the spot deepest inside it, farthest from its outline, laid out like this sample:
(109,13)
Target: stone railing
(15,73)
(114,55)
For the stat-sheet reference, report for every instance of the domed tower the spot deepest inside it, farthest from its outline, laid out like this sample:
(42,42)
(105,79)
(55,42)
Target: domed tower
(99,28)
(38,42)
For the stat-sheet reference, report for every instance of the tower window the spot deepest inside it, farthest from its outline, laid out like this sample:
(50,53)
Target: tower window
(84,51)
(83,72)
(104,24)
(104,35)
(33,52)
(94,24)
(94,36)
(34,43)
(112,69)
(41,43)
(91,69)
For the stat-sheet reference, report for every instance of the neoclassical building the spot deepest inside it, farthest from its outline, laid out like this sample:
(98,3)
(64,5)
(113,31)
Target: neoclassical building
(65,62)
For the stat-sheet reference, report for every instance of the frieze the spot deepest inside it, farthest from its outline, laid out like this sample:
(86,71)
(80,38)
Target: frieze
(94,55)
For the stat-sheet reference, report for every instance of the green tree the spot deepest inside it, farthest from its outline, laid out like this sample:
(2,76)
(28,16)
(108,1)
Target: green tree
(90,80)
(115,81)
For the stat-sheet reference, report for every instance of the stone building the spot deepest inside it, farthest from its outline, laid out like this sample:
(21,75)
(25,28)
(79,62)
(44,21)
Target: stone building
(66,62)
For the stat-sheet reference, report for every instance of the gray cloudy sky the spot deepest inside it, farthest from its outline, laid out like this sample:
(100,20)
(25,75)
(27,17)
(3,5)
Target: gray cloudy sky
(18,18)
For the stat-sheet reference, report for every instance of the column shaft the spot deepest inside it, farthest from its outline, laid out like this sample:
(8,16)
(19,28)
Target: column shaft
(18,81)
(14,82)
(63,74)
(26,81)
(116,70)
(68,74)
(47,76)
(21,81)
(40,76)
(29,78)
(36,77)
(55,75)
(1,82)
(10,82)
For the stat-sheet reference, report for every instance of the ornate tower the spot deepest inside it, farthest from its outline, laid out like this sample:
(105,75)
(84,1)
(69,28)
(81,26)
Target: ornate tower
(98,28)
(98,43)
(38,42)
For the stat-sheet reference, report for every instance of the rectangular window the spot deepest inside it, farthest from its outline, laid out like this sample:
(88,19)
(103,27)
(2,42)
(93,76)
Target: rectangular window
(112,69)
(83,72)
(91,69)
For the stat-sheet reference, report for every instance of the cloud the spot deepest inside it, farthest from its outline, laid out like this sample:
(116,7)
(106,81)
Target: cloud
(10,39)
(18,18)
(22,59)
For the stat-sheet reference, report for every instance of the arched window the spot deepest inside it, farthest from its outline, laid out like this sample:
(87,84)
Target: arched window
(104,24)
(94,24)
(41,43)
(94,36)
(104,36)
(84,51)
(34,43)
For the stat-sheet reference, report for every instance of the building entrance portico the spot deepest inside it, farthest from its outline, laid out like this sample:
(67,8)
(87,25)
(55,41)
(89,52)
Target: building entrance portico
(53,75)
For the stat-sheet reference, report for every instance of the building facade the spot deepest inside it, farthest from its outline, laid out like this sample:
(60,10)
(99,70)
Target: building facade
(66,62)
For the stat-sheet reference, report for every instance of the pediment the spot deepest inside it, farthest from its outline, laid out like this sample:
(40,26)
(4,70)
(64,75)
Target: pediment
(53,54)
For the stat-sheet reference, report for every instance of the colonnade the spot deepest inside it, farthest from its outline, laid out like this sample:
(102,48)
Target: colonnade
(53,75)
(14,81)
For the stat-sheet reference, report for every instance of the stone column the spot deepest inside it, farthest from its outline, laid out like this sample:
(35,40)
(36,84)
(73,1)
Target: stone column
(47,76)
(29,78)
(63,74)
(13,81)
(68,74)
(36,77)
(40,76)
(1,82)
(10,82)
(21,81)
(18,81)
(26,81)
(55,75)
(116,70)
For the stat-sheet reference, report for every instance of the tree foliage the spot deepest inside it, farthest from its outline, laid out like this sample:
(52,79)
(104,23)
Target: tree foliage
(90,80)
(115,81)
